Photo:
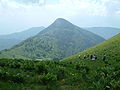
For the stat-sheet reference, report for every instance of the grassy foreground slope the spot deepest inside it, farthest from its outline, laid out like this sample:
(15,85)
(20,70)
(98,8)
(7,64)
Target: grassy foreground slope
(109,47)
(73,73)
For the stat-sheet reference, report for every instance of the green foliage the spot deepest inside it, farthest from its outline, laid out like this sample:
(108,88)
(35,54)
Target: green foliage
(8,41)
(46,79)
(105,77)
(8,76)
(41,69)
(73,72)
(111,48)
(59,74)
(59,40)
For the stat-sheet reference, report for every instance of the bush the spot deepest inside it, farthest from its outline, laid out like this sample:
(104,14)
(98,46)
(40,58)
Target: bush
(60,72)
(18,78)
(14,65)
(28,66)
(82,68)
(6,76)
(41,69)
(46,79)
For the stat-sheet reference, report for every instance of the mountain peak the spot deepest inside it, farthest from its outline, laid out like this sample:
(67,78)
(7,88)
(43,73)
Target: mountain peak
(60,22)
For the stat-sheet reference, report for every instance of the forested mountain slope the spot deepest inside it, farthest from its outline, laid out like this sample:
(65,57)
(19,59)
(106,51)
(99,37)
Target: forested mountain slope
(61,39)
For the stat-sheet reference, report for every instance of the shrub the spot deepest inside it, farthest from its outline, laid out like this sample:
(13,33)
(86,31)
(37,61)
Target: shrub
(14,65)
(46,79)
(60,72)
(41,69)
(28,66)
(4,75)
(7,76)
(18,78)
(82,68)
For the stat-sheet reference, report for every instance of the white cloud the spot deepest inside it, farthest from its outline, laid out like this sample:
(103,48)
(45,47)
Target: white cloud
(28,14)
(84,7)
(118,12)
(68,7)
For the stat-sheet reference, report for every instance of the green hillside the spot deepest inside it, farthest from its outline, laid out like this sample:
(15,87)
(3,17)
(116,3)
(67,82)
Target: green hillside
(109,47)
(61,39)
(73,73)
(9,40)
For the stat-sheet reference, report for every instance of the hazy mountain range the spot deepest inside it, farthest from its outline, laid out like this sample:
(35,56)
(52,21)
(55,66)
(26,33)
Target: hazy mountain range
(60,39)
(105,32)
(7,41)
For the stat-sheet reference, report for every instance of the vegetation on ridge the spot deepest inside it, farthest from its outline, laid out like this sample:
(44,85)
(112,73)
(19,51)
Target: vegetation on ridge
(61,39)
(9,40)
(71,73)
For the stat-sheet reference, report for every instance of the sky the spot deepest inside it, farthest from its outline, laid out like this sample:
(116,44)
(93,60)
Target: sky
(19,15)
